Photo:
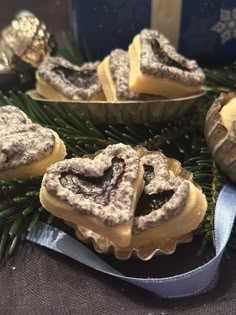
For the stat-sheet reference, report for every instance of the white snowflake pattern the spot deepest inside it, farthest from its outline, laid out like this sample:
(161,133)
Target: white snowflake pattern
(226,26)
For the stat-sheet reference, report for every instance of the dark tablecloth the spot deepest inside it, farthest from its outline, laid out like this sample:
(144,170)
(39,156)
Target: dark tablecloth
(38,281)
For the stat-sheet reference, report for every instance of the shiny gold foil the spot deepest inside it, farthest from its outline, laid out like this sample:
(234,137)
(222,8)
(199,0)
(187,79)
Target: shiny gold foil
(25,39)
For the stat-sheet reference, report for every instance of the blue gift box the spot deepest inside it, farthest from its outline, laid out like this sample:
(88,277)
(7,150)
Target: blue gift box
(203,30)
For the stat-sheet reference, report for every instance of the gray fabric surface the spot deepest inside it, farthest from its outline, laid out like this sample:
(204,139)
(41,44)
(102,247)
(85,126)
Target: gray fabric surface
(38,281)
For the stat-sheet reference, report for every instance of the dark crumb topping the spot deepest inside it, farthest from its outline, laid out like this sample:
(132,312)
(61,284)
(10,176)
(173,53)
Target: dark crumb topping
(159,58)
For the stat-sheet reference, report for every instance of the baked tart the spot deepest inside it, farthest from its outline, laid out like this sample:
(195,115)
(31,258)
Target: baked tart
(58,79)
(26,149)
(156,68)
(220,133)
(170,207)
(113,73)
(98,192)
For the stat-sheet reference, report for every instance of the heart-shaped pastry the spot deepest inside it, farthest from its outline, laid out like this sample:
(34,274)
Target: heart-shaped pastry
(98,192)
(26,149)
(156,67)
(170,206)
(59,80)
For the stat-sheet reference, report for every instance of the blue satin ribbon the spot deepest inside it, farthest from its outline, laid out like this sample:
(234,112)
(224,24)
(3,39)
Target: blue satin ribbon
(186,284)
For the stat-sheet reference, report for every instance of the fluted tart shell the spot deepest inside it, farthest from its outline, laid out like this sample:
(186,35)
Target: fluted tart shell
(220,135)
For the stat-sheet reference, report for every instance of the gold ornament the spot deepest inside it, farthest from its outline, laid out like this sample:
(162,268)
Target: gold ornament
(25,42)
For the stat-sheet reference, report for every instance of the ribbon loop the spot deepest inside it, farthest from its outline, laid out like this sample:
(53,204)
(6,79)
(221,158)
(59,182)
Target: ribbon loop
(186,284)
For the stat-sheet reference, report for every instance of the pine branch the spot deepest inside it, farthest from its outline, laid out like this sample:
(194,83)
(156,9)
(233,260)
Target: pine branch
(72,51)
(20,210)
(222,78)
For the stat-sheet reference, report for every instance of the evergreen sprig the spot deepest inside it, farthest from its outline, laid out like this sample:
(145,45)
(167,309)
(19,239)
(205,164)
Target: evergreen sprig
(73,52)
(20,210)
(222,78)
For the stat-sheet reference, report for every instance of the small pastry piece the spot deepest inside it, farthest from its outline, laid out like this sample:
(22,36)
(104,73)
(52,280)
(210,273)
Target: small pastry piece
(156,68)
(170,205)
(26,149)
(97,192)
(220,133)
(58,79)
(113,73)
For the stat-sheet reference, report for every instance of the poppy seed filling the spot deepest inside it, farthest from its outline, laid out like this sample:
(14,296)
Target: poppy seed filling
(97,188)
(101,185)
(164,58)
(83,79)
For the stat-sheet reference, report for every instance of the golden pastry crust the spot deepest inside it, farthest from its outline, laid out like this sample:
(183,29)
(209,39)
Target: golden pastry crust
(105,78)
(162,84)
(119,234)
(112,219)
